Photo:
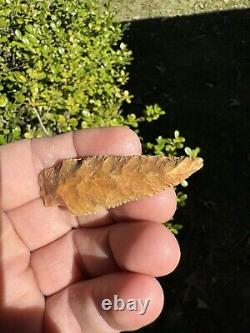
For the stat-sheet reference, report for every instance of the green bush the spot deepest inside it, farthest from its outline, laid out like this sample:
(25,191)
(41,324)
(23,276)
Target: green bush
(63,67)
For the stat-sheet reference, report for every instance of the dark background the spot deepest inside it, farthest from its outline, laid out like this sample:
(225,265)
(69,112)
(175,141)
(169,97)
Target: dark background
(197,68)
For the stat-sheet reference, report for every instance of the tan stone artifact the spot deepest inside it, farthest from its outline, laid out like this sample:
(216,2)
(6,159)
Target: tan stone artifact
(90,184)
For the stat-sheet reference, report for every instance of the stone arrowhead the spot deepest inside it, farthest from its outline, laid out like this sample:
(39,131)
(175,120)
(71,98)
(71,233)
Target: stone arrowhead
(88,185)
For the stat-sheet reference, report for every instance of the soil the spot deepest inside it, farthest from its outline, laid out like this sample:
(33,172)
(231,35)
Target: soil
(197,68)
(134,9)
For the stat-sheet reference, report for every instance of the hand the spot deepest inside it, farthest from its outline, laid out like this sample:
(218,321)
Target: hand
(55,268)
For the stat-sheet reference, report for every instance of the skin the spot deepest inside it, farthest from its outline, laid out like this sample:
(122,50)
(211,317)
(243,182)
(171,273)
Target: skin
(56,268)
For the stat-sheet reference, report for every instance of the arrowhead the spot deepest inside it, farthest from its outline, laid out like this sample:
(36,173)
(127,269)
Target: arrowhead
(88,185)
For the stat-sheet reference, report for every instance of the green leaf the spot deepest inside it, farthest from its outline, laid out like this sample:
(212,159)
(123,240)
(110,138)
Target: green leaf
(188,151)
(18,34)
(3,23)
(2,139)
(3,100)
(19,98)
(16,133)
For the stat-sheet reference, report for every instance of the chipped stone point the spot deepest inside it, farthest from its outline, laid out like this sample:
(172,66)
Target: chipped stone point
(88,185)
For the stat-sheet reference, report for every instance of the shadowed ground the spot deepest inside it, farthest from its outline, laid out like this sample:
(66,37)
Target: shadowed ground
(197,68)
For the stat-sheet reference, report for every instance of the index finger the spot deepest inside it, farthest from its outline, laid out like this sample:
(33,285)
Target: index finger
(22,161)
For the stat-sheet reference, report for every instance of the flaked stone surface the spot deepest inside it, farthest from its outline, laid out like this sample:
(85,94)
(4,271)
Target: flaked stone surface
(90,184)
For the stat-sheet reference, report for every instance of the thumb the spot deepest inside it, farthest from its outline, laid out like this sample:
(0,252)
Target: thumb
(80,307)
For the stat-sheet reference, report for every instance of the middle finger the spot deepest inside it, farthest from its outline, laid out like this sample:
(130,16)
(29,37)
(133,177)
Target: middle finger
(141,247)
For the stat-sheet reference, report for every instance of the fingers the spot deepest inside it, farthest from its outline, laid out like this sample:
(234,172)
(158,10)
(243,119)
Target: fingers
(14,255)
(22,161)
(75,307)
(56,265)
(19,295)
(142,247)
(107,141)
(38,226)
(158,208)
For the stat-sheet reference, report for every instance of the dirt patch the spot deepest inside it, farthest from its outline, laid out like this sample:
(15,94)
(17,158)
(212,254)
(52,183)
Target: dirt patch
(131,9)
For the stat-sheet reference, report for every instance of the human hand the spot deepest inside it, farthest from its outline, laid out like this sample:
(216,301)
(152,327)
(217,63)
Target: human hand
(55,268)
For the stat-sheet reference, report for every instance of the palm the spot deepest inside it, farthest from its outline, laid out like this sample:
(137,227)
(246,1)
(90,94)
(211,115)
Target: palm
(57,268)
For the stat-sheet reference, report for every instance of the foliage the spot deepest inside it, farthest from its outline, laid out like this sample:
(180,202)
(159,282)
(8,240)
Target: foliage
(63,67)
(172,147)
